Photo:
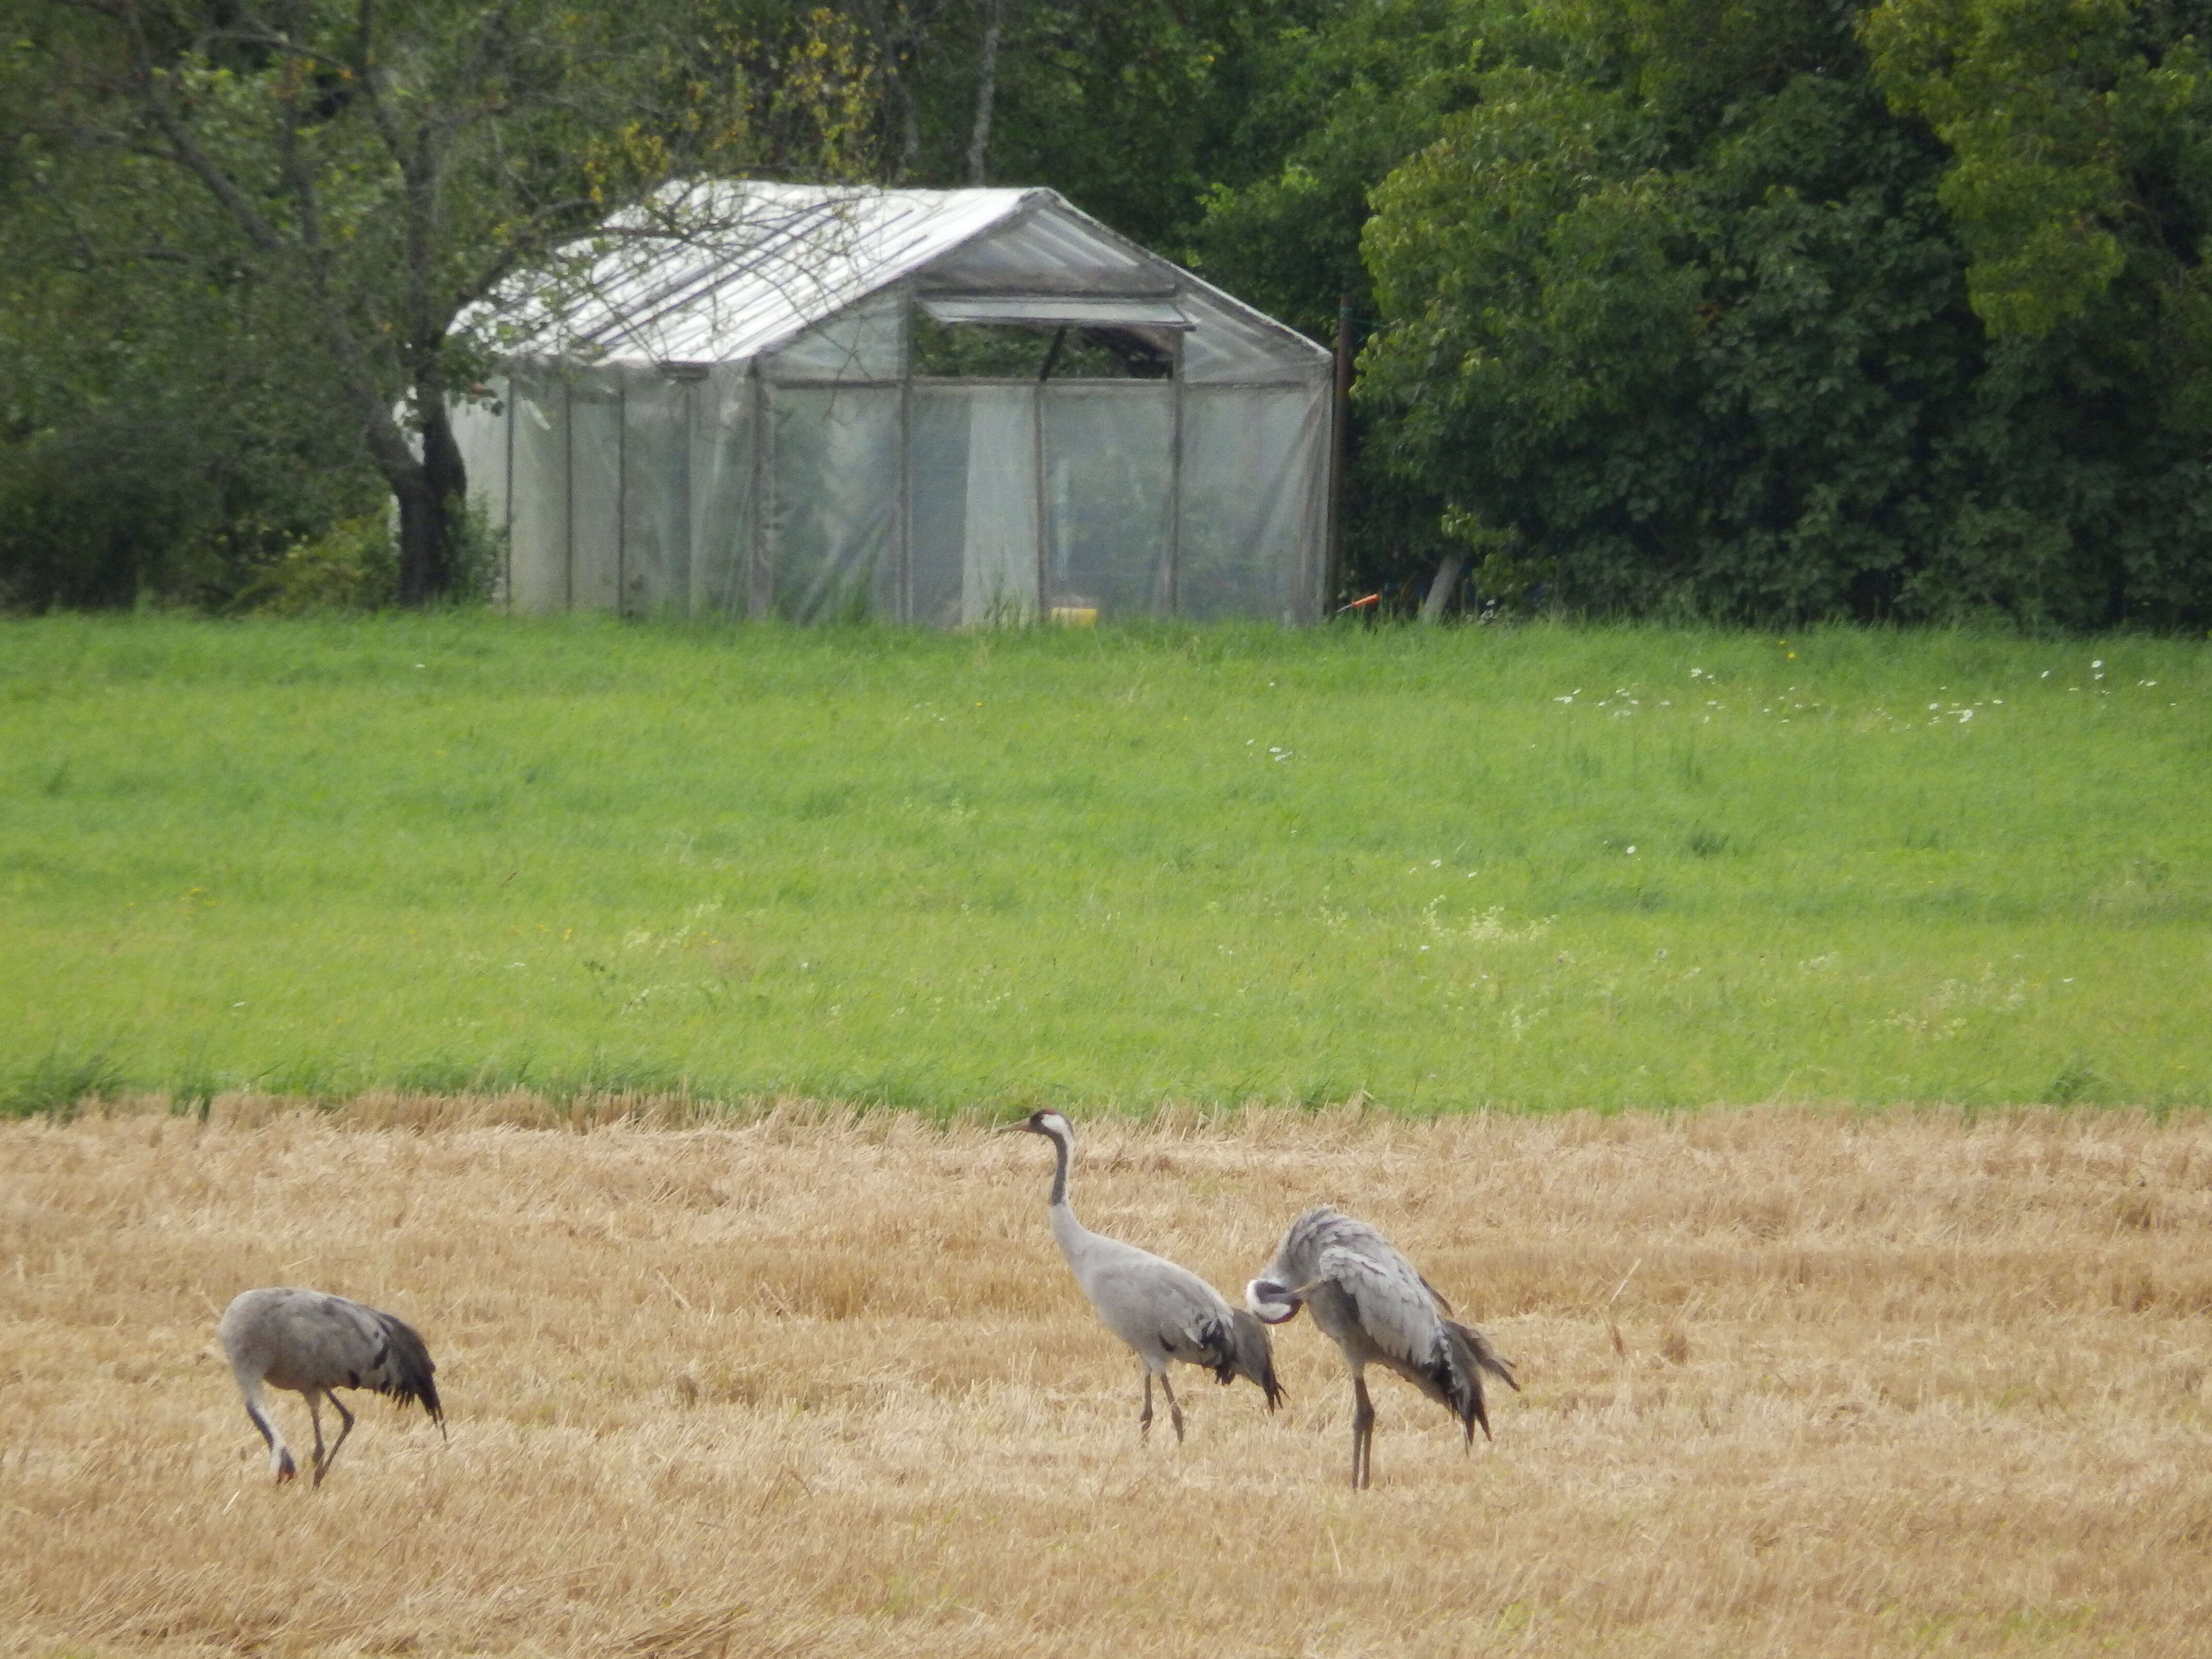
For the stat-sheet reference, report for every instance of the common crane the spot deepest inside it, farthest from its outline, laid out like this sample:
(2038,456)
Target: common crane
(312,1343)
(1371,1301)
(1161,1310)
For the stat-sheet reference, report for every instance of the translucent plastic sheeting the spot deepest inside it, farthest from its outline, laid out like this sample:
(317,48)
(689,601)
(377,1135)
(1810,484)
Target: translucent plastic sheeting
(836,477)
(867,343)
(656,493)
(759,262)
(721,480)
(1108,451)
(537,528)
(772,475)
(595,483)
(973,519)
(1254,506)
(480,432)
(1050,246)
(1229,341)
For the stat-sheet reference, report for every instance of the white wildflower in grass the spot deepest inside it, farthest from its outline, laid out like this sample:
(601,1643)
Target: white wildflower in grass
(1490,927)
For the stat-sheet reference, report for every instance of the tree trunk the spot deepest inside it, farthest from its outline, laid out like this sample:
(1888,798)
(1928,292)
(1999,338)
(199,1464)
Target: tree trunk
(1440,590)
(909,129)
(447,476)
(987,90)
(430,489)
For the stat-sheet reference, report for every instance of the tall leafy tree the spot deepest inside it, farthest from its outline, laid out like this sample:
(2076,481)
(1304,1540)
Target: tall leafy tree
(381,169)
(2080,178)
(1681,315)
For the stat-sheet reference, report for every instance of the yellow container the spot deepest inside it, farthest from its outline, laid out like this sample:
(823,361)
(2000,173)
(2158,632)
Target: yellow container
(1076,616)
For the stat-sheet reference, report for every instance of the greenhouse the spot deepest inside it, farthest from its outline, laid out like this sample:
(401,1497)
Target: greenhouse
(946,407)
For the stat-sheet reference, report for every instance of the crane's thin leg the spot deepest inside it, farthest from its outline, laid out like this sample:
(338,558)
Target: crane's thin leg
(1144,1423)
(280,1454)
(315,1416)
(345,1417)
(1363,1434)
(1175,1406)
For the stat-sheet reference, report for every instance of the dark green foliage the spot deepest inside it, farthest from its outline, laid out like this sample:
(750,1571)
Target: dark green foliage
(1339,107)
(139,498)
(1340,104)
(1131,110)
(1704,340)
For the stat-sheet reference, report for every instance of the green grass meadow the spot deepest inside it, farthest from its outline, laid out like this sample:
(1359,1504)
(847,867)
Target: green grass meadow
(1540,868)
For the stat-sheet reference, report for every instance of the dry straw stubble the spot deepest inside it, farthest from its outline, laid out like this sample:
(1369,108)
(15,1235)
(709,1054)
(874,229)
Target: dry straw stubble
(1796,1384)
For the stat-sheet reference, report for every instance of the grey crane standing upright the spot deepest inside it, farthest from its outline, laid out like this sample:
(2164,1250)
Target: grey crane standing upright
(1163,1311)
(312,1343)
(1372,1302)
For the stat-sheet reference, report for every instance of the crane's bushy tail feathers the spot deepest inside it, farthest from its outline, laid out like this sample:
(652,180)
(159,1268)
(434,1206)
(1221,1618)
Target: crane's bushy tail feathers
(407,1373)
(1486,1356)
(1469,1353)
(1248,1351)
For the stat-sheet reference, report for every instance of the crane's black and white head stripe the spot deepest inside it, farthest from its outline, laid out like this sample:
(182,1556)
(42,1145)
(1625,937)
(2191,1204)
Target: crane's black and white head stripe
(1048,1123)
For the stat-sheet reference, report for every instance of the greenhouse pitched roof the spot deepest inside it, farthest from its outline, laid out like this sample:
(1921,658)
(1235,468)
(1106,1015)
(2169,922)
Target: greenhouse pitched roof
(721,272)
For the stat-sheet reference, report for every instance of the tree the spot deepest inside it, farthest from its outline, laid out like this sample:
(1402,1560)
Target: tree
(1679,309)
(157,437)
(382,169)
(1339,107)
(1131,109)
(2080,171)
(1341,99)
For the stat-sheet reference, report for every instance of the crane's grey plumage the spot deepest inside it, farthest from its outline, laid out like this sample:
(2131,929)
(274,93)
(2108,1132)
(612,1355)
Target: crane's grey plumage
(1163,1311)
(1370,1300)
(312,1343)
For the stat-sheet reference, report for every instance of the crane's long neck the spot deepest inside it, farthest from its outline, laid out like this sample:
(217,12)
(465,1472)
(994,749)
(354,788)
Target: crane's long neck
(1062,1152)
(1066,1229)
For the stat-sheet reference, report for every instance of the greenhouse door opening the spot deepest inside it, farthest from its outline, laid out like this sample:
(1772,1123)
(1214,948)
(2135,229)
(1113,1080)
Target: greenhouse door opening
(1034,500)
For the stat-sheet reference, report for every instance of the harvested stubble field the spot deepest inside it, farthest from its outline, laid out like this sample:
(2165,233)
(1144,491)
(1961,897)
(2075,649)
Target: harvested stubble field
(1796,1384)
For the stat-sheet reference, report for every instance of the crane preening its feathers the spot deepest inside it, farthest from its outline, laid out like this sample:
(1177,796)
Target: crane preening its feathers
(312,1343)
(1372,1302)
(1163,1311)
